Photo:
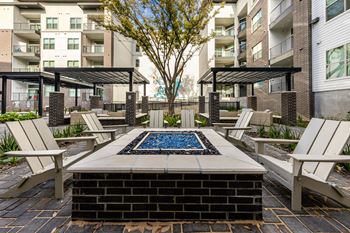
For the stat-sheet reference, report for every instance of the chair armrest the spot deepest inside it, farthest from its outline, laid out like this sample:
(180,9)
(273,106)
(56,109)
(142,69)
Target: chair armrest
(321,158)
(236,128)
(101,131)
(35,153)
(222,124)
(115,126)
(75,139)
(259,143)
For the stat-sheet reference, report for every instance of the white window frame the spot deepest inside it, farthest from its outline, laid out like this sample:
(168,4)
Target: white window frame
(258,22)
(50,44)
(50,62)
(73,23)
(53,25)
(258,53)
(346,8)
(75,44)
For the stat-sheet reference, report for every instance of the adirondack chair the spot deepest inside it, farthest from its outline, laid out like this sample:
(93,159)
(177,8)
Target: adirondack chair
(312,161)
(156,119)
(103,135)
(187,119)
(235,134)
(45,159)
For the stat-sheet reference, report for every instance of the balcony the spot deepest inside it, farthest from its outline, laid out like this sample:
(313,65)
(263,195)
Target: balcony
(27,69)
(224,57)
(30,31)
(282,53)
(224,37)
(94,52)
(282,15)
(93,31)
(242,29)
(242,56)
(30,52)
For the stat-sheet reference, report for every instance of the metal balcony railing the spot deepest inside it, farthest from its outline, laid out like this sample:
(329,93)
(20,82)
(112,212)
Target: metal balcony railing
(224,54)
(31,48)
(279,9)
(242,26)
(230,32)
(27,69)
(94,49)
(92,27)
(27,26)
(282,47)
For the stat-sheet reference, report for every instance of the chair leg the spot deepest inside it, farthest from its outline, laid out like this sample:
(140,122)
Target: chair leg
(59,185)
(296,194)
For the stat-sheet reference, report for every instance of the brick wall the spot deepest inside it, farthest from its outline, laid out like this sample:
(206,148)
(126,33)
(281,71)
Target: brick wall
(152,197)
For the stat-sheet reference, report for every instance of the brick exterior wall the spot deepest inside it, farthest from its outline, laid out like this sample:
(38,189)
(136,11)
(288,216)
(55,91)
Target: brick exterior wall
(166,197)
(56,109)
(201,104)
(130,114)
(214,107)
(95,102)
(289,107)
(144,104)
(252,102)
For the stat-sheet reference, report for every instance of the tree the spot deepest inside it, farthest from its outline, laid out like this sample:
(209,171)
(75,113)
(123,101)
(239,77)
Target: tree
(168,31)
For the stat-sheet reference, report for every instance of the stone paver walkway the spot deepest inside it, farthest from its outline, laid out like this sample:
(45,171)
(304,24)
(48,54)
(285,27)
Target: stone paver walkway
(37,211)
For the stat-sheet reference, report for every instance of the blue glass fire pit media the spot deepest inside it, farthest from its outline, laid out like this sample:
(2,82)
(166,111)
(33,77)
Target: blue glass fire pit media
(170,141)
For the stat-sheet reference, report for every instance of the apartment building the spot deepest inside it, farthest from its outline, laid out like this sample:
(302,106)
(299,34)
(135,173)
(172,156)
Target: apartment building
(38,34)
(331,57)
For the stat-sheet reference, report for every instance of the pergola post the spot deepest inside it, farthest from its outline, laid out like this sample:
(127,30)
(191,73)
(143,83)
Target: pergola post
(94,89)
(130,81)
(4,95)
(289,103)
(40,96)
(252,101)
(130,113)
(57,82)
(76,96)
(288,81)
(144,103)
(214,103)
(201,100)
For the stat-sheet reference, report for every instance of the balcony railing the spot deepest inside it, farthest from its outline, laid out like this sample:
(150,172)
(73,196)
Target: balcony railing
(27,26)
(280,8)
(282,47)
(92,27)
(27,69)
(224,54)
(230,32)
(95,49)
(242,26)
(31,48)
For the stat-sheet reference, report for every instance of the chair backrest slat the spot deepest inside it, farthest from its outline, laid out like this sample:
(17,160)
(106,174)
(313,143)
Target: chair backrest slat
(24,143)
(36,141)
(187,119)
(91,125)
(321,143)
(335,147)
(106,137)
(243,121)
(309,136)
(156,119)
(46,134)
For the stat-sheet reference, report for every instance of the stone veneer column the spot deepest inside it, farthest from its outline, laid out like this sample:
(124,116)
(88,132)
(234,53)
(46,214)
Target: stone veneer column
(56,109)
(252,102)
(130,114)
(289,108)
(144,104)
(214,107)
(201,103)
(95,102)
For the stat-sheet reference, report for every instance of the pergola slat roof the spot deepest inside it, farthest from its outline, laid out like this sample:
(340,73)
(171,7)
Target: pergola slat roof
(101,75)
(245,75)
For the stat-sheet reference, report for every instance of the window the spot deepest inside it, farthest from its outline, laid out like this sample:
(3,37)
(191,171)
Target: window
(257,52)
(338,62)
(73,43)
(72,92)
(277,84)
(242,24)
(257,20)
(51,23)
(75,23)
(137,63)
(49,89)
(138,49)
(74,63)
(48,63)
(336,7)
(49,43)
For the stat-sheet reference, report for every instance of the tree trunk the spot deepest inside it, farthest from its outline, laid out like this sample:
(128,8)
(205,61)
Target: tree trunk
(171,107)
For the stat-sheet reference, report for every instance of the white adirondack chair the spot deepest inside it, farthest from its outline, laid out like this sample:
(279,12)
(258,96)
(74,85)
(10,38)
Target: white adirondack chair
(103,135)
(156,119)
(187,119)
(43,155)
(235,134)
(312,161)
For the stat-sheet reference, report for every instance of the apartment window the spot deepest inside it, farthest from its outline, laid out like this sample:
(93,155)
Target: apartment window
(338,62)
(48,63)
(336,7)
(74,63)
(51,23)
(73,43)
(257,52)
(71,92)
(257,20)
(49,43)
(277,84)
(49,89)
(137,63)
(138,49)
(75,23)
(242,24)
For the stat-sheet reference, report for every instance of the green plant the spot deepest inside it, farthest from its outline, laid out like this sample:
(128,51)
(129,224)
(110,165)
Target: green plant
(301,123)
(347,117)
(274,132)
(13,116)
(203,120)
(346,151)
(70,131)
(261,131)
(8,143)
(172,120)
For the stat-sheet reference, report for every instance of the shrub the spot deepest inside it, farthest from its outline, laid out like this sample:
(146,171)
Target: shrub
(172,120)
(13,116)
(70,131)
(8,143)
(203,120)
(346,151)
(274,132)
(301,123)
(261,131)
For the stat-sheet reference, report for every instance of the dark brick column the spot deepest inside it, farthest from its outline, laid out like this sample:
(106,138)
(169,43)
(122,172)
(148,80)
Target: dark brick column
(144,104)
(130,114)
(201,103)
(252,102)
(95,102)
(56,109)
(289,108)
(214,107)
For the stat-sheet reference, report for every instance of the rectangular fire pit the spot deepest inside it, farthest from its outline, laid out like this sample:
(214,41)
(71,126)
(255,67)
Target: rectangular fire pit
(118,184)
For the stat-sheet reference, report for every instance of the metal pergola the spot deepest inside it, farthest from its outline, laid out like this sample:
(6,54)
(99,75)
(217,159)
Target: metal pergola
(246,75)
